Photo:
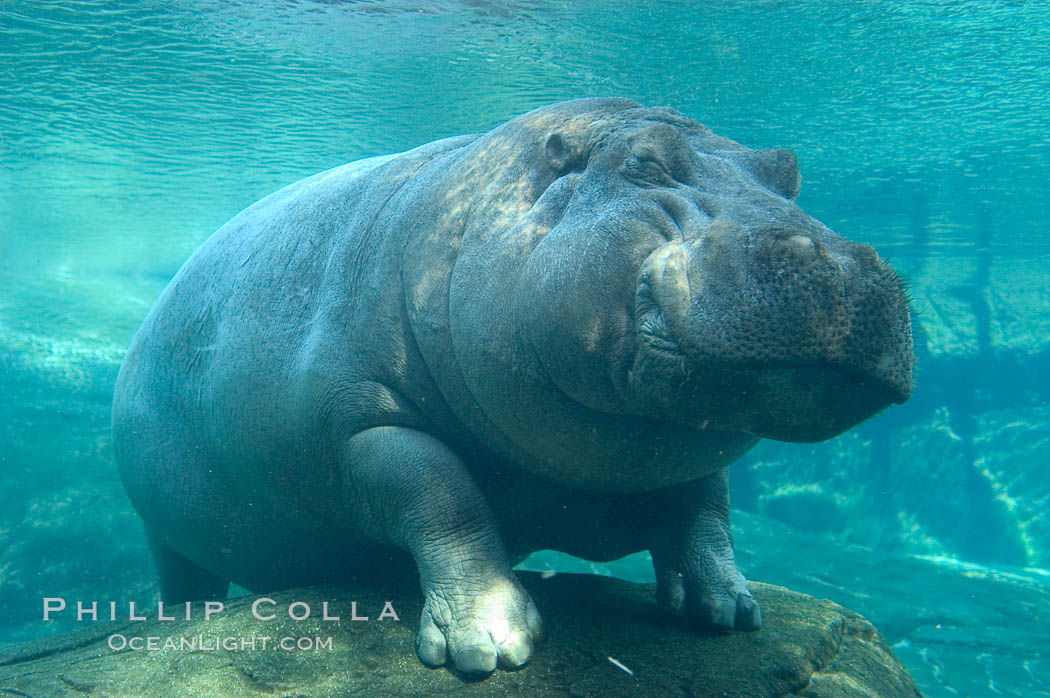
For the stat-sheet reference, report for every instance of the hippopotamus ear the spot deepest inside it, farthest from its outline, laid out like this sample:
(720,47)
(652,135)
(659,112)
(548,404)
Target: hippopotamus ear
(564,153)
(776,168)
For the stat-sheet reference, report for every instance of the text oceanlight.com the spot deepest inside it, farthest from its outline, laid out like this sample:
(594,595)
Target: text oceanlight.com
(206,643)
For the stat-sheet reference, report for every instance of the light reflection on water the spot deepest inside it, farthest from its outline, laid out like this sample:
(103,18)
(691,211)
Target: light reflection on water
(141,126)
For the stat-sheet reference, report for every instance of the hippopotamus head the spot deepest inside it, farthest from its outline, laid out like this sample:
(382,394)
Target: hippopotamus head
(651,267)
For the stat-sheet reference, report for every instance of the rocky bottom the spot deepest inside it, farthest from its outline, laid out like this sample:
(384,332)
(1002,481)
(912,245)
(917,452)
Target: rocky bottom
(606,638)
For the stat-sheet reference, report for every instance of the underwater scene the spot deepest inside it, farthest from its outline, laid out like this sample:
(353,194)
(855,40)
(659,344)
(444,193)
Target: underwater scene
(539,341)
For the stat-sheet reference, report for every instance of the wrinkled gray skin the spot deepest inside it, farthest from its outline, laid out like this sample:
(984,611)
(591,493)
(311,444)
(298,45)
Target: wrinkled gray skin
(555,335)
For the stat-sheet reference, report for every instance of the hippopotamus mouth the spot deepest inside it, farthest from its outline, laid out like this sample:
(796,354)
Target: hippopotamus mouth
(773,380)
(655,337)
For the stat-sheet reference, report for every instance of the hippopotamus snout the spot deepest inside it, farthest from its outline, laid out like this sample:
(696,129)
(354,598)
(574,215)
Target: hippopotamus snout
(811,327)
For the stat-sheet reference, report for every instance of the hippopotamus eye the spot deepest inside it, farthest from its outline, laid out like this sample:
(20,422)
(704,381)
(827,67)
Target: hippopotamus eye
(644,167)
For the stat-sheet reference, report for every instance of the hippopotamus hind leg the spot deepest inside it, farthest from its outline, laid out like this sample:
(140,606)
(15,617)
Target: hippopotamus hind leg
(182,579)
(692,549)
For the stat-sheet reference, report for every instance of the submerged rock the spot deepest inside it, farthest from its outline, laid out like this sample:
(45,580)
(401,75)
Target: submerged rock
(606,637)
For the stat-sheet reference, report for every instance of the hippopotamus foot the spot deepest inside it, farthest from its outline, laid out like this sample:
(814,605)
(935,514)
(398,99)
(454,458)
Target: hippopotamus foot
(476,621)
(406,488)
(696,573)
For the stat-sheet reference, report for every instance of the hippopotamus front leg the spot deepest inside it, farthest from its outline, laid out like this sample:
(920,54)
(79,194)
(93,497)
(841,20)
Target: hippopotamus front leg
(404,487)
(692,551)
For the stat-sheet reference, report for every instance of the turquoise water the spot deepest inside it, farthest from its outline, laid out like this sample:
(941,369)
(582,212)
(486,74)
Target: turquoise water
(129,131)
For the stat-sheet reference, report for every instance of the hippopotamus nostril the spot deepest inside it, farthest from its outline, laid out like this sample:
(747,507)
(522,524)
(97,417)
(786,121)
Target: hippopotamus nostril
(802,247)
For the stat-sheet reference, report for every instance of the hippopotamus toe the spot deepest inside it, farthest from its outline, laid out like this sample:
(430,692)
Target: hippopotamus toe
(748,613)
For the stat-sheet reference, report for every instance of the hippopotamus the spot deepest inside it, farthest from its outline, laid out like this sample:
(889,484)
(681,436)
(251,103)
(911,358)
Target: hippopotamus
(554,335)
